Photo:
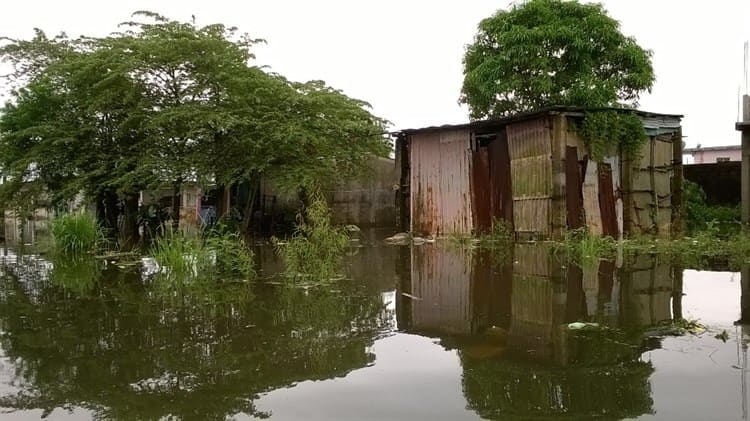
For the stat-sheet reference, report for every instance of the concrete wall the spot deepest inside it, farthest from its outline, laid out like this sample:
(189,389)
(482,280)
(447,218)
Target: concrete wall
(369,201)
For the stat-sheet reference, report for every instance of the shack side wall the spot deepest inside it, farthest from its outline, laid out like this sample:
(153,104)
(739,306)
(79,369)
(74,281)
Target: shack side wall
(440,183)
(647,190)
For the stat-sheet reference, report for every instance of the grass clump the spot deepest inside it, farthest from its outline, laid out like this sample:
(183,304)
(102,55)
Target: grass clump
(316,249)
(213,254)
(581,246)
(76,233)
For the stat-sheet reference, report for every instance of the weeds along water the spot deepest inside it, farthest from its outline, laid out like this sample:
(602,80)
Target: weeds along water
(76,233)
(315,251)
(214,253)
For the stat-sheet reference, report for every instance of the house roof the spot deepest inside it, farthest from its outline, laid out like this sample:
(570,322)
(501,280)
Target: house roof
(651,120)
(713,148)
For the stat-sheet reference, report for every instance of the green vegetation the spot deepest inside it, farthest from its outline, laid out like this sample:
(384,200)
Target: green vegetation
(700,217)
(78,273)
(316,249)
(162,102)
(76,233)
(213,255)
(582,247)
(108,350)
(541,53)
(603,130)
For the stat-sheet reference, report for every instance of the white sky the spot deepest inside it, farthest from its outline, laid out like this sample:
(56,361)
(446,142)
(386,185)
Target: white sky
(404,57)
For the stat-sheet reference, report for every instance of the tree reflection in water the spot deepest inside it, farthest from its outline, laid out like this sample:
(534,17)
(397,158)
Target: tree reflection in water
(127,350)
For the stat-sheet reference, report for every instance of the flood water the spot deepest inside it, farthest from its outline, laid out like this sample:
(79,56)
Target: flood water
(429,332)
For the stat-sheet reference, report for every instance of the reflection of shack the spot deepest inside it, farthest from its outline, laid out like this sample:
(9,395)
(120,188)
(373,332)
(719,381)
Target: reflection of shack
(453,292)
(647,292)
(538,302)
(542,368)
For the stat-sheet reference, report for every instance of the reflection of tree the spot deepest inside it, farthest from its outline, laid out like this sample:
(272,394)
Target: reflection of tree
(508,390)
(126,351)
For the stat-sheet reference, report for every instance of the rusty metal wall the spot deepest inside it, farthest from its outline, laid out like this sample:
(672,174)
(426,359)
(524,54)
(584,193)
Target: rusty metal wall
(530,147)
(440,183)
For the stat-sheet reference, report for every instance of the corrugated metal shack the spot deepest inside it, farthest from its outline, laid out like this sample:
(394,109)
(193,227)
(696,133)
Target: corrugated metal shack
(534,171)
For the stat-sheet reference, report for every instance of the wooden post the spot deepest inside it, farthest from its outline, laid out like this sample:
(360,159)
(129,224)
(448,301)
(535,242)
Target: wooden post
(677,205)
(745,183)
(744,295)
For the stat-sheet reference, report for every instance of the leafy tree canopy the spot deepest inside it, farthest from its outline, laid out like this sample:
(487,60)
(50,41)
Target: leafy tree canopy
(542,53)
(162,102)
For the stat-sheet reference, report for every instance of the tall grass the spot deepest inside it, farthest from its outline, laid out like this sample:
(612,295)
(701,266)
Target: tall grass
(212,255)
(583,247)
(316,249)
(76,233)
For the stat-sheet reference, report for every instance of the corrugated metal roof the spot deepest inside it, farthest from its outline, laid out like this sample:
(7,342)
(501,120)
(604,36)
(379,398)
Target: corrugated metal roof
(650,120)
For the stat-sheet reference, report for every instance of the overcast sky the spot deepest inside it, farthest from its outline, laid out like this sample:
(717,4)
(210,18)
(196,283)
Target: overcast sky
(404,57)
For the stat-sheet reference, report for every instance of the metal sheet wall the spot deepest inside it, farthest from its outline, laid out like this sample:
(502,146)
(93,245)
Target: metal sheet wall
(530,147)
(440,183)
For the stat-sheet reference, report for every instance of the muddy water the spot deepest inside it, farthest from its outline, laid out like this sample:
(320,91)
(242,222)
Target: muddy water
(416,333)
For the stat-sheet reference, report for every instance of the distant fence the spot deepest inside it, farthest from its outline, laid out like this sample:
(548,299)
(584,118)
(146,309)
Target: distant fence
(720,181)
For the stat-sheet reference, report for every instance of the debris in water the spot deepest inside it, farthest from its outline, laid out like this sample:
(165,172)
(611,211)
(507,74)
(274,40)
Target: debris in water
(582,325)
(411,296)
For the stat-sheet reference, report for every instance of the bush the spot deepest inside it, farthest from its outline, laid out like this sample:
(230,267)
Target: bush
(213,255)
(316,249)
(699,216)
(76,233)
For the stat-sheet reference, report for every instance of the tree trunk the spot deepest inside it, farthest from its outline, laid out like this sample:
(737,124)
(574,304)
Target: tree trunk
(129,234)
(223,201)
(106,212)
(176,202)
(247,215)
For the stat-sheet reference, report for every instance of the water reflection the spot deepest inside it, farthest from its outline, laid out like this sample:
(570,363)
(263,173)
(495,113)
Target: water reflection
(126,352)
(509,321)
(486,336)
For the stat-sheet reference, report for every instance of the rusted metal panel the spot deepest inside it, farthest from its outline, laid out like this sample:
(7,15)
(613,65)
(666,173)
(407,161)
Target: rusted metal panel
(529,146)
(591,199)
(501,178)
(440,183)
(441,281)
(614,163)
(573,193)
(482,196)
(607,201)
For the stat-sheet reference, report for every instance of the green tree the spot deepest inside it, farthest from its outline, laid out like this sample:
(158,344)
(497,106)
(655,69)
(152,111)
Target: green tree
(163,102)
(542,53)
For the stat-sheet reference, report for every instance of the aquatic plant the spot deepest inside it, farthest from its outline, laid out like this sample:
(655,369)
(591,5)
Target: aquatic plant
(581,246)
(212,254)
(316,249)
(76,233)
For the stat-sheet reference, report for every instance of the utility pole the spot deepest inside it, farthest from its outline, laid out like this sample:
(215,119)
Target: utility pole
(744,127)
